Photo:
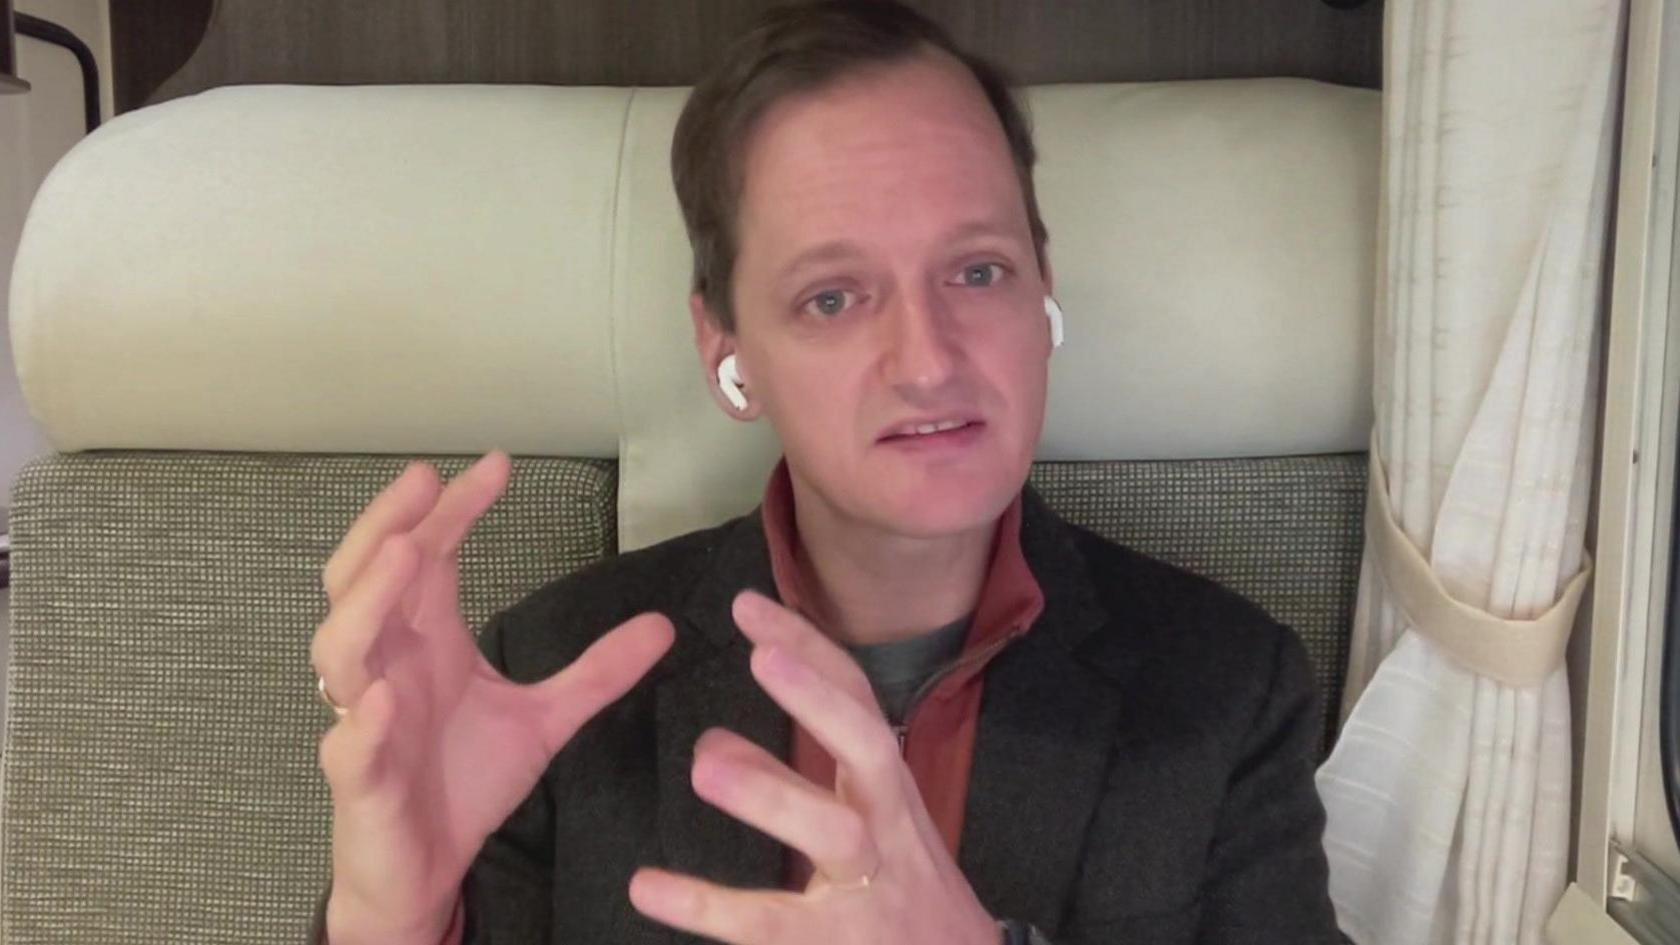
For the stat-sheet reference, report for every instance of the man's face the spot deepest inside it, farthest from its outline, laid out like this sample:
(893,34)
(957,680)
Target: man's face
(885,281)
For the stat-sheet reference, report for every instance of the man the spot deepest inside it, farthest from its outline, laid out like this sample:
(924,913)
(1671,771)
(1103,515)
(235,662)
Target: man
(1055,739)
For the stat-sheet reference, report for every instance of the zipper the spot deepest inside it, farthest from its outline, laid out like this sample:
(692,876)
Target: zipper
(902,730)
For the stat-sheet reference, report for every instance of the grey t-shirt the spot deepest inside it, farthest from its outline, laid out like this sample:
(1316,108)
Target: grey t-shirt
(897,670)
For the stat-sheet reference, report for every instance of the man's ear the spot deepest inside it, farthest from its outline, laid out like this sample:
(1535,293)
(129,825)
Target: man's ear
(714,344)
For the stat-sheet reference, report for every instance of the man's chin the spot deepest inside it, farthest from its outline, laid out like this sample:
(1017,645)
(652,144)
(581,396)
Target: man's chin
(916,499)
(941,509)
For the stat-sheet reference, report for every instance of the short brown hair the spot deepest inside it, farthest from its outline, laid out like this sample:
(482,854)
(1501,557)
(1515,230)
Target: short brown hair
(797,49)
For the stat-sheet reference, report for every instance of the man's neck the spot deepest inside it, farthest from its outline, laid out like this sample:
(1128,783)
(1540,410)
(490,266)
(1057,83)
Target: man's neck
(868,586)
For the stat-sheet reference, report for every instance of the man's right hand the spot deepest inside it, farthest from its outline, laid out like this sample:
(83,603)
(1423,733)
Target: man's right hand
(437,748)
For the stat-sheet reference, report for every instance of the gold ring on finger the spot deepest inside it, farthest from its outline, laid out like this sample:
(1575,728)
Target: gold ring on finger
(326,697)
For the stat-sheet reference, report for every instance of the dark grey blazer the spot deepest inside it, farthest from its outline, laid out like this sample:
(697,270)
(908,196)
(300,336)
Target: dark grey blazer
(1143,771)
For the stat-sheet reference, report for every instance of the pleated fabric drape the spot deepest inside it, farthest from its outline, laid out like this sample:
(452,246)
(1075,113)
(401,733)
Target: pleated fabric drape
(1448,791)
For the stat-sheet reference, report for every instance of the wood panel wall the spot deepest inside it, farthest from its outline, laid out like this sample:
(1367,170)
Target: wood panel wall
(150,40)
(669,42)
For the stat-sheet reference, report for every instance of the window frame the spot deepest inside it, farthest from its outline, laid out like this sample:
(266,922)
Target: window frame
(1622,891)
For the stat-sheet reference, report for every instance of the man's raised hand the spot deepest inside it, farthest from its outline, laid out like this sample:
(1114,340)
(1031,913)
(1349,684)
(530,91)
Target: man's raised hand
(435,748)
(882,873)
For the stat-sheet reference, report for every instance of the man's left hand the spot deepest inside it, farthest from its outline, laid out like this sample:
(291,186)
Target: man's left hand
(882,873)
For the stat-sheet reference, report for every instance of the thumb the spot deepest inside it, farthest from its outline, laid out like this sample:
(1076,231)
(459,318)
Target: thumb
(608,669)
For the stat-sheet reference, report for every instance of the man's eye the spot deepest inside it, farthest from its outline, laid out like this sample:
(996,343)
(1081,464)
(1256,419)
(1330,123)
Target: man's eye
(828,304)
(981,275)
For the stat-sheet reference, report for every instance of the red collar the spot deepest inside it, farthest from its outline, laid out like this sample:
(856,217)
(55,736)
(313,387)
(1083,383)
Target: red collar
(1010,599)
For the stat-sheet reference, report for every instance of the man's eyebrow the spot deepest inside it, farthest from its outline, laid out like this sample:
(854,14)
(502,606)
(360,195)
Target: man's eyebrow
(833,250)
(983,227)
(820,253)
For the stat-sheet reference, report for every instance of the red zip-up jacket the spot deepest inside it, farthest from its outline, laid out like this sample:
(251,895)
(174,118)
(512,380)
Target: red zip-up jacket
(938,737)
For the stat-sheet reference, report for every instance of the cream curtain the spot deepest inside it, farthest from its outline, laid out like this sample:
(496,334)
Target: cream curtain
(1448,792)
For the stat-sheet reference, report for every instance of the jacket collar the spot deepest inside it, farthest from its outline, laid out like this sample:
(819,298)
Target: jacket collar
(1045,740)
(1071,608)
(742,561)
(1010,599)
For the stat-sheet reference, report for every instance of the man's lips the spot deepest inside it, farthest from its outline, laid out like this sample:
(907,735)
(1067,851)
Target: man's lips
(930,427)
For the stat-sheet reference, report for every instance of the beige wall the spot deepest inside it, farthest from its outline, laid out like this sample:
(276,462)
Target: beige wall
(36,128)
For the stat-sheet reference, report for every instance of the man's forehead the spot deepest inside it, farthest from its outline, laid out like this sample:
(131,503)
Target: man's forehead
(847,214)
(920,97)
(887,144)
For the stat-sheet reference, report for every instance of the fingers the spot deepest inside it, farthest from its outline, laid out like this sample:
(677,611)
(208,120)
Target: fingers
(462,503)
(439,517)
(864,749)
(605,671)
(748,783)
(741,917)
(767,623)
(350,750)
(398,508)
(342,645)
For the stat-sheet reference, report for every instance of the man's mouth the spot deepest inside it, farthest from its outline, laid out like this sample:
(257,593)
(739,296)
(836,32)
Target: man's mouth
(926,428)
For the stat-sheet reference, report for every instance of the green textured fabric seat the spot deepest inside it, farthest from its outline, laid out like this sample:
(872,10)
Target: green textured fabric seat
(160,781)
(159,773)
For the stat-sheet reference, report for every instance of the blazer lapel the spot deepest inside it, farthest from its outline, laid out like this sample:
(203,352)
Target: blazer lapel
(698,839)
(716,689)
(1043,747)
(1044,743)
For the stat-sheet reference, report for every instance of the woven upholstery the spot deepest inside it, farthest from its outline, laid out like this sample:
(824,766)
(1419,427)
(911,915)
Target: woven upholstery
(159,770)
(1284,532)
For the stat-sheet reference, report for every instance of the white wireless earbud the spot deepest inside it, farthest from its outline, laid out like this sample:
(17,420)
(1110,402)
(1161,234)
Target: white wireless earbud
(1053,312)
(729,381)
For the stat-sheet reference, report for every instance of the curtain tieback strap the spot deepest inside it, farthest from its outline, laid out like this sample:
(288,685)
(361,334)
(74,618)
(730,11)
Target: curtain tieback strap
(1514,652)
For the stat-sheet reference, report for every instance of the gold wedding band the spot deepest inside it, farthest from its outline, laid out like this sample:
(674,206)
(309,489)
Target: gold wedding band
(326,697)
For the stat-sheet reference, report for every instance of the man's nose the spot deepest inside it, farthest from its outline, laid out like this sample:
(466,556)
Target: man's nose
(923,347)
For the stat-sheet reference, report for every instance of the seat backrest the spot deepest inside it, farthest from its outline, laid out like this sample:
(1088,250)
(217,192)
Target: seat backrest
(337,279)
(160,773)
(160,779)
(445,269)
